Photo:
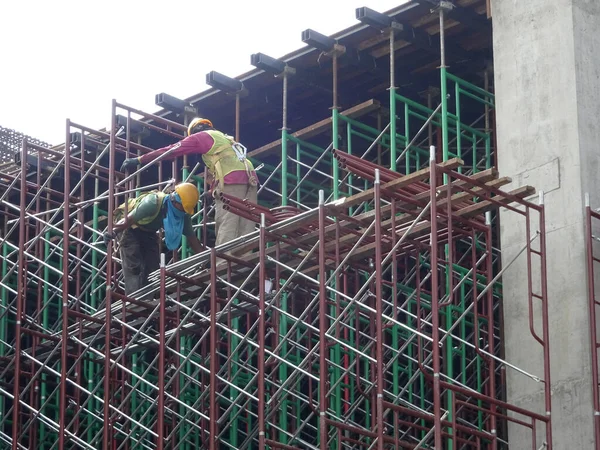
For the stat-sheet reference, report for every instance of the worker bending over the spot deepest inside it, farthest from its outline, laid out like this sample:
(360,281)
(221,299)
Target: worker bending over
(231,172)
(137,233)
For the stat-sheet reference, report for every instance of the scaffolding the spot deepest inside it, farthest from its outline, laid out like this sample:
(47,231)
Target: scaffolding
(383,330)
(592,220)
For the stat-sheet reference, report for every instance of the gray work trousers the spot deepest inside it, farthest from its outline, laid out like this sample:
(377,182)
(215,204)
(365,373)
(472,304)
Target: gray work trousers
(140,256)
(227,224)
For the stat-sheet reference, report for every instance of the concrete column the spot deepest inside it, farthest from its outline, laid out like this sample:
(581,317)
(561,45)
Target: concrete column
(547,81)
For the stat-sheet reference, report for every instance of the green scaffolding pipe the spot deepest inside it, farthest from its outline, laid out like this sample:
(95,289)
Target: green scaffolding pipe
(298,173)
(458,130)
(336,167)
(92,405)
(283,372)
(306,145)
(471,86)
(473,96)
(449,117)
(393,149)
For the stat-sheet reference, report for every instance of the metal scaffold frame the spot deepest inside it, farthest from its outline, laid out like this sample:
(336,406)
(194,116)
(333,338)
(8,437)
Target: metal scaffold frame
(383,328)
(592,219)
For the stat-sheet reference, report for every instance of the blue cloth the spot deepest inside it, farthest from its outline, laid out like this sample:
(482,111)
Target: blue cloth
(173,223)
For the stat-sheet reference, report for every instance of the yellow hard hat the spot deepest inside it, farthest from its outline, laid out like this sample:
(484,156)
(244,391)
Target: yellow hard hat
(198,121)
(189,195)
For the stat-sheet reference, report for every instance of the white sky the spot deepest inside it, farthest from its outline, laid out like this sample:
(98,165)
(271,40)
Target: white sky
(64,58)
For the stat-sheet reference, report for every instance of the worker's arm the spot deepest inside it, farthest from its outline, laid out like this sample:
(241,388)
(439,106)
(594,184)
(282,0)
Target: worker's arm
(119,227)
(194,242)
(124,224)
(198,144)
(188,231)
(147,208)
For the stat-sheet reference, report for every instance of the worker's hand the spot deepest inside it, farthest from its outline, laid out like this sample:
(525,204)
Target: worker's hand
(129,164)
(107,237)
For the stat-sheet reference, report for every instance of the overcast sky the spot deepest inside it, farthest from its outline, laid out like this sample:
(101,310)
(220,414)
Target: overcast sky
(65,58)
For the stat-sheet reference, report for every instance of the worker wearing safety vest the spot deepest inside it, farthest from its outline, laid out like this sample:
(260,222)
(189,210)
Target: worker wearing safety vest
(231,172)
(137,232)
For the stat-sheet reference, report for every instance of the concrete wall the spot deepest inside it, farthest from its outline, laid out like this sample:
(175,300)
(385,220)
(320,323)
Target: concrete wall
(547,79)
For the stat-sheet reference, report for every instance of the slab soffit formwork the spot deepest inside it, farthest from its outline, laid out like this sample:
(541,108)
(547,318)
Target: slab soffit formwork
(364,69)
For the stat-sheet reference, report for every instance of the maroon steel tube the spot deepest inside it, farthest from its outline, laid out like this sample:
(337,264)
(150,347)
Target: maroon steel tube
(65,294)
(279,445)
(322,328)
(40,149)
(106,432)
(40,335)
(111,135)
(21,297)
(35,188)
(592,315)
(485,398)
(424,416)
(33,397)
(529,276)
(159,119)
(491,323)
(491,189)
(81,236)
(379,337)
(367,433)
(497,414)
(545,330)
(437,423)
(160,424)
(213,352)
(261,335)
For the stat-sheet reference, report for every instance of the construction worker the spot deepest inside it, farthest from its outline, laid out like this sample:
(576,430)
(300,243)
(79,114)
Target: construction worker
(137,233)
(231,172)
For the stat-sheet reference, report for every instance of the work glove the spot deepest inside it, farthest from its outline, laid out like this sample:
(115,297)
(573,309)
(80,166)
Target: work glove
(129,164)
(107,237)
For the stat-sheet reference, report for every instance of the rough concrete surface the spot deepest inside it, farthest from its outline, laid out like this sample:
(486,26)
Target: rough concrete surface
(547,73)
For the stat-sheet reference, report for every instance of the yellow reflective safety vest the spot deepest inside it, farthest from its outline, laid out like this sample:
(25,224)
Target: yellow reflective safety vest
(224,157)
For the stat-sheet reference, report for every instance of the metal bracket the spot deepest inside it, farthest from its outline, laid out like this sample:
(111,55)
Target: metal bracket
(242,93)
(287,71)
(395,27)
(337,50)
(446,5)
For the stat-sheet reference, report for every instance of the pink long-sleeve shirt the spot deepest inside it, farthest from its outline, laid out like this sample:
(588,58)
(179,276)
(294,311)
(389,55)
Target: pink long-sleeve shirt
(199,144)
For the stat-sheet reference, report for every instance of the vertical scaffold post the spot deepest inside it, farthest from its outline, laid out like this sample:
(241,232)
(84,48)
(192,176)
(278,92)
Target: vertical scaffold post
(322,327)
(261,335)
(65,291)
(379,312)
(21,296)
(160,423)
(437,422)
(213,352)
(545,330)
(107,443)
(443,87)
(490,319)
(393,147)
(589,243)
(284,156)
